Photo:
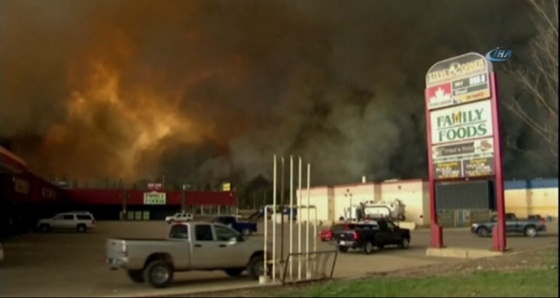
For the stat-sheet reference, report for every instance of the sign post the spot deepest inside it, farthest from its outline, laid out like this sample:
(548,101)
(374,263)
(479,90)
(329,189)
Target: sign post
(462,123)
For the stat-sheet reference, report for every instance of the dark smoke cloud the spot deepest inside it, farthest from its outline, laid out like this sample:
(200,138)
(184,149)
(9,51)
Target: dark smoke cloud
(209,90)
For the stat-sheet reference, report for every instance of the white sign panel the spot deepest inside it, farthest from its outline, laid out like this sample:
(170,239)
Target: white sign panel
(462,123)
(458,80)
(154,198)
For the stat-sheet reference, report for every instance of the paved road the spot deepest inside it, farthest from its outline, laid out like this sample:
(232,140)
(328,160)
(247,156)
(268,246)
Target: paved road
(69,264)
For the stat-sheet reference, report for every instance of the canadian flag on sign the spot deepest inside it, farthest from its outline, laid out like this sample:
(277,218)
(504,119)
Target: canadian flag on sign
(439,95)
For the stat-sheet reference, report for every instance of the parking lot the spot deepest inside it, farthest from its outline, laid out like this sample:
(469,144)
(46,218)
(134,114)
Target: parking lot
(71,264)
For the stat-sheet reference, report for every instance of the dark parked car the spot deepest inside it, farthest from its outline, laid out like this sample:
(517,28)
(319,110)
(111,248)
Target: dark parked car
(243,227)
(530,227)
(367,235)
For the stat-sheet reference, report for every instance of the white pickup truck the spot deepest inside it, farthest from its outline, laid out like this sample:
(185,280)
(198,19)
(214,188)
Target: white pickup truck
(190,246)
(179,217)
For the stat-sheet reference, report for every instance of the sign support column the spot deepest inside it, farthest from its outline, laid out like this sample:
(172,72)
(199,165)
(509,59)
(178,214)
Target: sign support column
(499,237)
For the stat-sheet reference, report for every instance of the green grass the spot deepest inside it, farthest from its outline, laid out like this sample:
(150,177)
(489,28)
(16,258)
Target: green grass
(541,282)
(531,283)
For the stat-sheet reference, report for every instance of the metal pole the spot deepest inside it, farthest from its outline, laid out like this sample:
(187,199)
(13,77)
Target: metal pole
(282,212)
(300,203)
(265,240)
(183,201)
(274,222)
(308,220)
(315,242)
(291,225)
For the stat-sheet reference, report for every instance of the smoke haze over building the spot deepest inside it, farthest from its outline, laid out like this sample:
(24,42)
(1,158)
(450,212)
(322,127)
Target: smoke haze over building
(210,90)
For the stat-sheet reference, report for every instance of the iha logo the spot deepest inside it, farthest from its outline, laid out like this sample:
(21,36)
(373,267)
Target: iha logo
(499,54)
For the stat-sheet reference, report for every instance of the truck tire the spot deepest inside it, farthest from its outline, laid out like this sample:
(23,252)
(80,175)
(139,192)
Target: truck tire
(234,271)
(368,248)
(136,276)
(405,243)
(483,232)
(256,267)
(343,249)
(158,274)
(81,228)
(530,231)
(45,228)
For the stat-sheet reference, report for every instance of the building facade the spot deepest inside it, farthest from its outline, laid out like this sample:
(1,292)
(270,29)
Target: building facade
(523,197)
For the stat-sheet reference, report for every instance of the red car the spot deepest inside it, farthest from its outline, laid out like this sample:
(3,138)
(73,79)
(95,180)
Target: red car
(327,234)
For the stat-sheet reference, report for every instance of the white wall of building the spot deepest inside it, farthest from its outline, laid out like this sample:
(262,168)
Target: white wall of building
(331,201)
(412,194)
(352,193)
(319,197)
(427,212)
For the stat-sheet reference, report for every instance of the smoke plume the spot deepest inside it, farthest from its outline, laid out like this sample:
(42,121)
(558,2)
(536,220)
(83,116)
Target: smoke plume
(210,90)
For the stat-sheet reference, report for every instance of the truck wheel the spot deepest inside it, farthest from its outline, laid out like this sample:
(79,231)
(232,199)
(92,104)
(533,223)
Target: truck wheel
(343,249)
(81,228)
(405,243)
(256,267)
(159,274)
(530,231)
(136,276)
(45,228)
(245,232)
(483,232)
(368,248)
(234,271)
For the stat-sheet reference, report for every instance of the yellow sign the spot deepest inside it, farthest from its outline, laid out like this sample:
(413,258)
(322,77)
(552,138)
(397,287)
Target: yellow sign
(226,186)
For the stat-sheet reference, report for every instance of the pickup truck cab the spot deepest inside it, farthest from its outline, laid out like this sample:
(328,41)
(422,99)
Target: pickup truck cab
(370,234)
(243,227)
(529,227)
(179,217)
(189,246)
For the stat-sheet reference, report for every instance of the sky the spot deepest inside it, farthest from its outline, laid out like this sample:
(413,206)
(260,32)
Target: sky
(210,90)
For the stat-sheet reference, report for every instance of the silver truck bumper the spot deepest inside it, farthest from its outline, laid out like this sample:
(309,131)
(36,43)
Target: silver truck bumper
(115,264)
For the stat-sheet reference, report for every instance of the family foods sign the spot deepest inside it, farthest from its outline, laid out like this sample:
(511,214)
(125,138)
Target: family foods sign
(154,198)
(461,123)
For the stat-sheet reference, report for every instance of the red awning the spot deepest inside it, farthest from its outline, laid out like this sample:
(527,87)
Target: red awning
(10,162)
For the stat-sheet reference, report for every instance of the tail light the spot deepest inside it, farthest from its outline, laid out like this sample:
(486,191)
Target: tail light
(356,236)
(93,222)
(543,221)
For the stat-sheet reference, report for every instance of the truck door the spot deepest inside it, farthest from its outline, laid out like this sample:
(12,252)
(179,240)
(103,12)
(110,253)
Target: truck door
(511,223)
(205,248)
(383,235)
(393,236)
(231,249)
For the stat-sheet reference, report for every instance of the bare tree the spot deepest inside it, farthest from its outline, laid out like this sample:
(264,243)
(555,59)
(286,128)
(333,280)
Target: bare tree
(540,109)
